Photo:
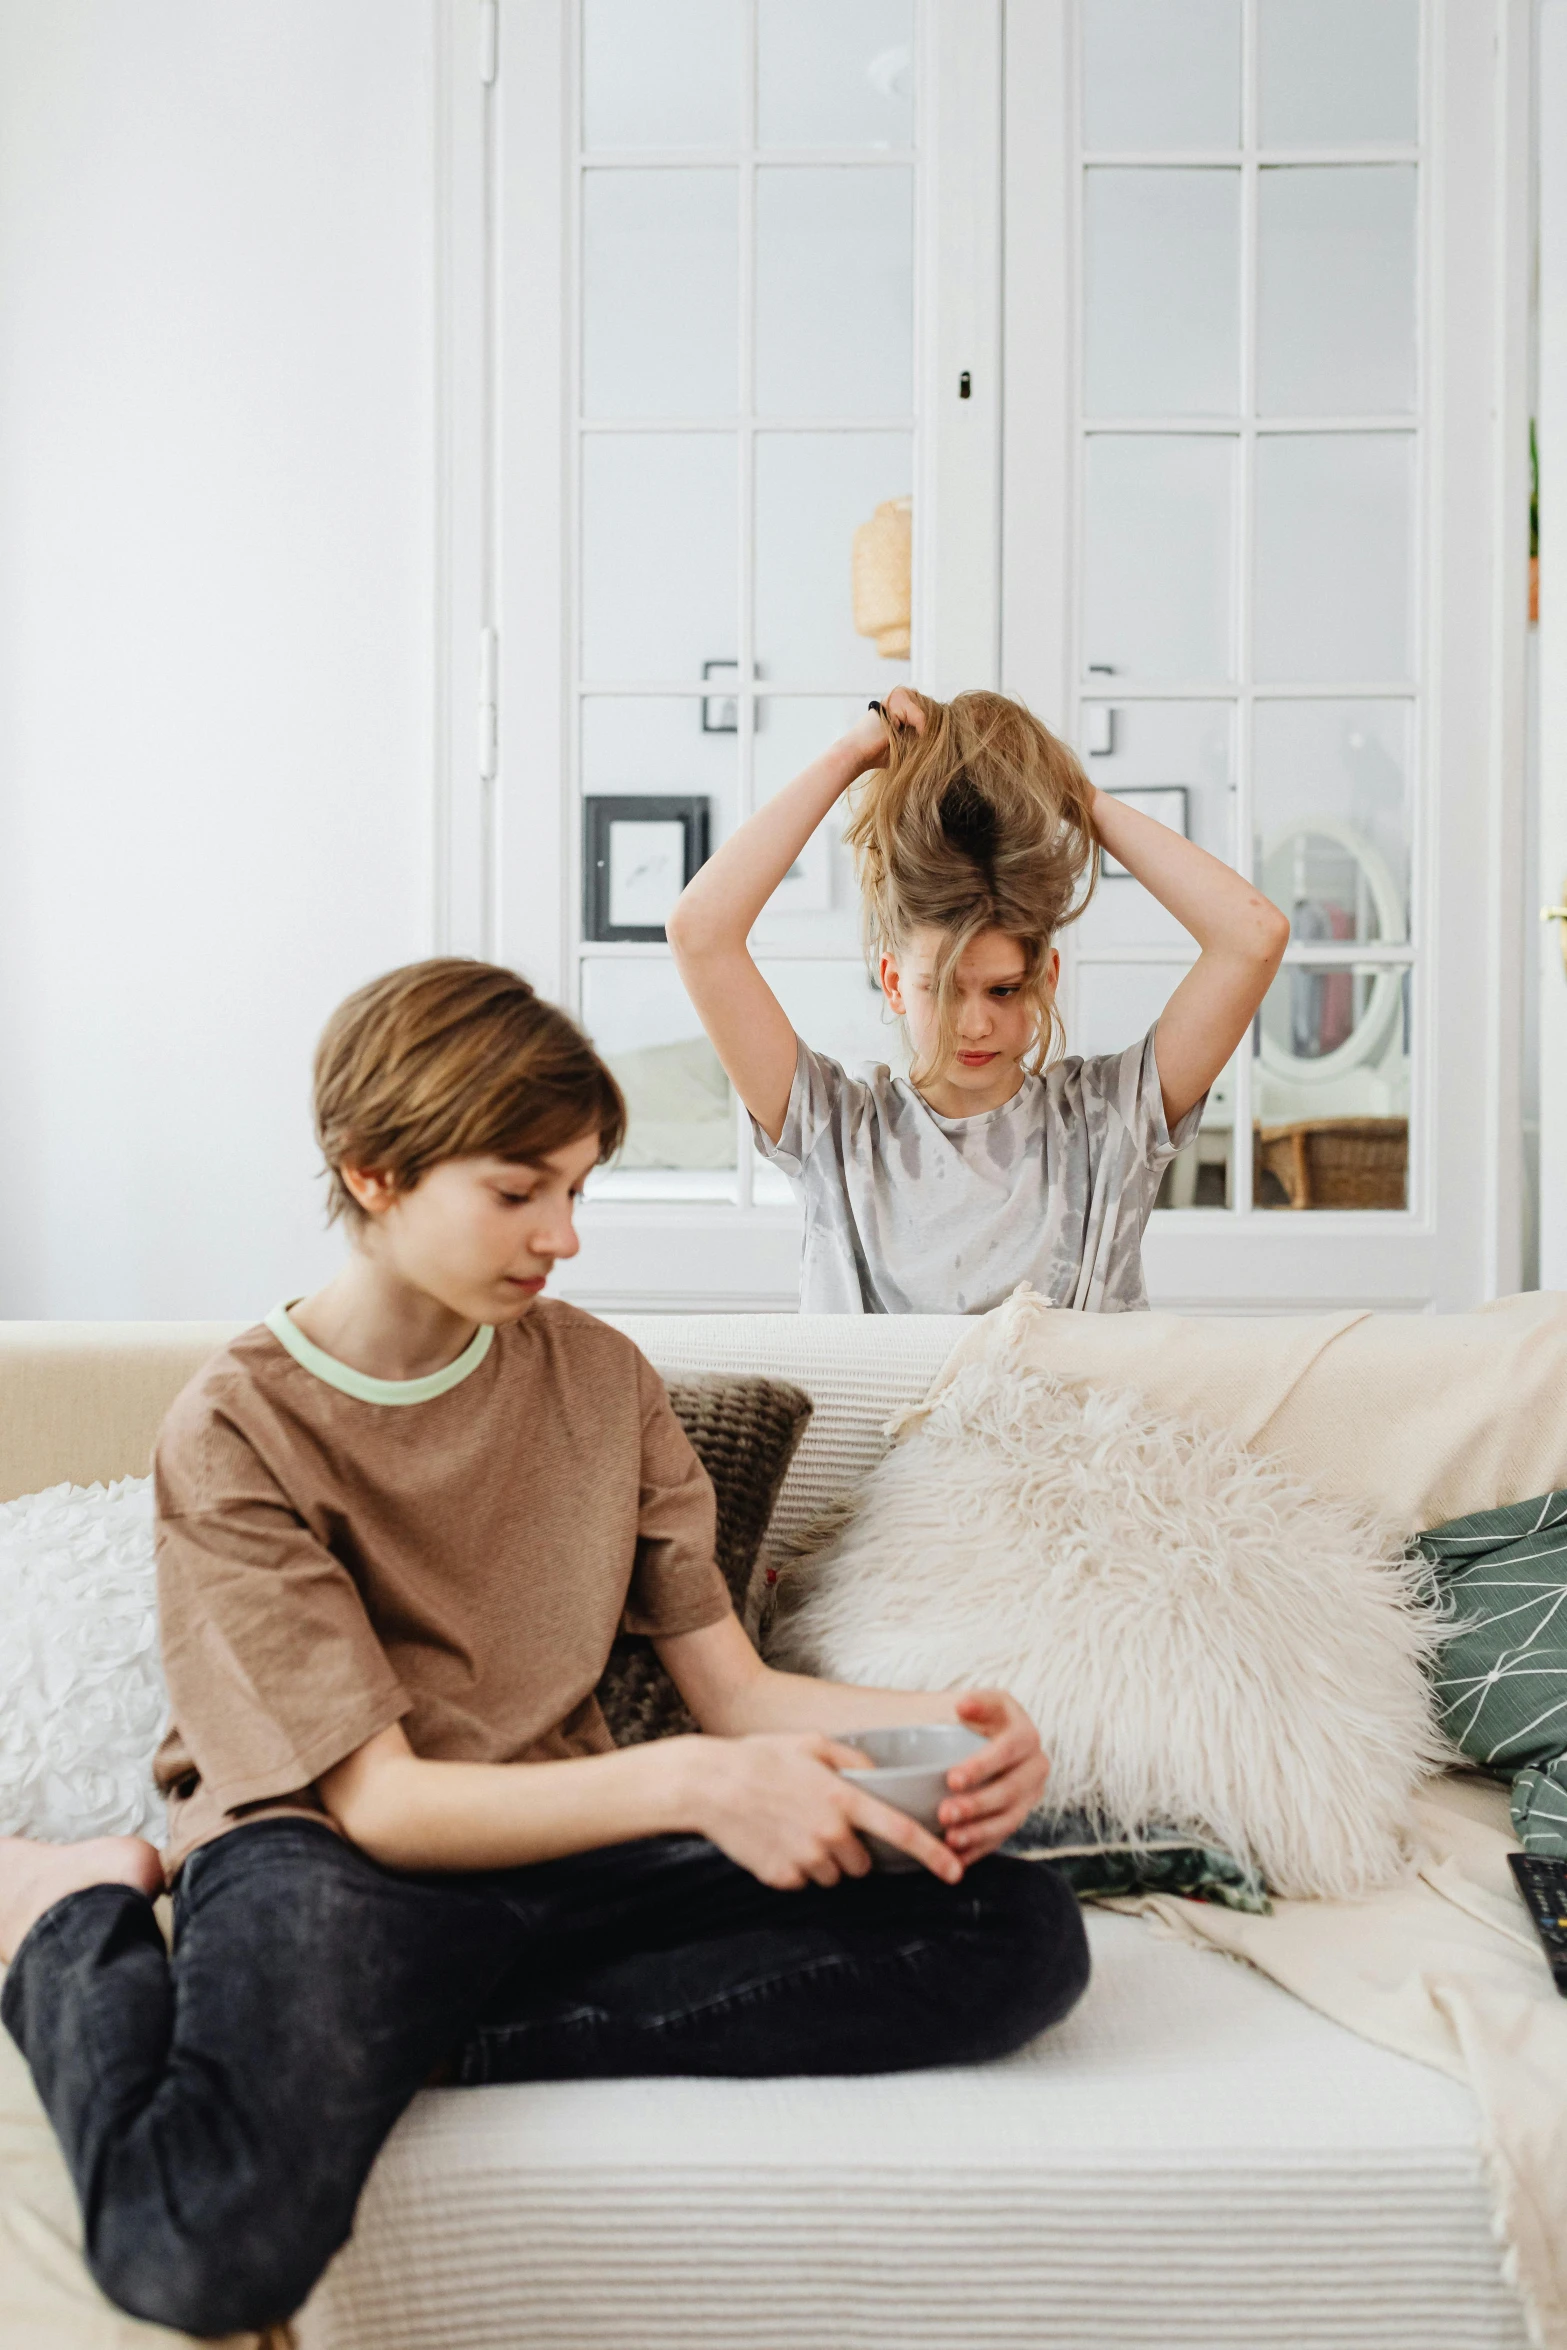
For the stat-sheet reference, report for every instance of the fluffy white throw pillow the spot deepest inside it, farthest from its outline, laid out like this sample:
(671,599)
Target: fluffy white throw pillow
(82,1701)
(1203,1642)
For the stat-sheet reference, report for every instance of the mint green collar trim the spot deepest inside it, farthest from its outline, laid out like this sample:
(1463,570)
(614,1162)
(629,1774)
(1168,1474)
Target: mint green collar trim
(359,1383)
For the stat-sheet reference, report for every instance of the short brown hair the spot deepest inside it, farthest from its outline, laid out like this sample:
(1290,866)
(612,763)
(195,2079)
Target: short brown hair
(454,1059)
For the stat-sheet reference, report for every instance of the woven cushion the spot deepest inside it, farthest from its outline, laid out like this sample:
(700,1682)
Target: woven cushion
(1501,1676)
(744,1432)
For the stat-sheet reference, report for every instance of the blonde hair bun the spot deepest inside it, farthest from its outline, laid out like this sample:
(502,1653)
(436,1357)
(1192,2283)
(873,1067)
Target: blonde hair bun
(980,821)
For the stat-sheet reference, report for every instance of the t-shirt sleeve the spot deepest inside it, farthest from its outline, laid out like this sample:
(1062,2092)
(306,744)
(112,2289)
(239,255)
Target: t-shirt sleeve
(818,1088)
(1128,1083)
(274,1672)
(676,1585)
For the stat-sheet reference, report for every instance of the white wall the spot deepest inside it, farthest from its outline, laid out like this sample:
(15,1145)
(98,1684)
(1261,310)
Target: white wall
(216,625)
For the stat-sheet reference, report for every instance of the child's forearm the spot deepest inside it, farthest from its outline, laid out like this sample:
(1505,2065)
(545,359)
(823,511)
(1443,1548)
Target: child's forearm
(720,905)
(1222,911)
(410,1813)
(790,1701)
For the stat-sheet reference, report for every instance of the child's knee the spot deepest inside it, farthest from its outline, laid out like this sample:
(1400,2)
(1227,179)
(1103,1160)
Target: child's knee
(1038,1947)
(225,2269)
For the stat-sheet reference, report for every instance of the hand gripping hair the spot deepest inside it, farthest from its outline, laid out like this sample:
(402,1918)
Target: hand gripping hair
(982,821)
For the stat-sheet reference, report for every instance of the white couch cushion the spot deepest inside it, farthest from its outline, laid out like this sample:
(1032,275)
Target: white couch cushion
(82,1700)
(1193,2157)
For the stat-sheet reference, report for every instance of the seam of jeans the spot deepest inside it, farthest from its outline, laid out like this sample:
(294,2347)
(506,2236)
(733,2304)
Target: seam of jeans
(735,1995)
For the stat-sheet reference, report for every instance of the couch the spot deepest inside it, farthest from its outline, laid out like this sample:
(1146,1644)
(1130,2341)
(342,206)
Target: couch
(1194,2157)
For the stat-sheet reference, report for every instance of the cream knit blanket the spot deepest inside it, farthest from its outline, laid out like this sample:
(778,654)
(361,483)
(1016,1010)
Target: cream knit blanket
(1446,1969)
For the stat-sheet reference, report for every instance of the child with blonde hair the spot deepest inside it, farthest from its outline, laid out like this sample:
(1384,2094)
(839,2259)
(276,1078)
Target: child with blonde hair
(999,1158)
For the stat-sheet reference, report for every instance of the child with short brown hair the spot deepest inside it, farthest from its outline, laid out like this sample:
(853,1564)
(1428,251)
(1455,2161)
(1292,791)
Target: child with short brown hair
(399,1524)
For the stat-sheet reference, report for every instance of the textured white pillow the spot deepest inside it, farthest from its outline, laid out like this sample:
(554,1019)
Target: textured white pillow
(1202,1641)
(82,1701)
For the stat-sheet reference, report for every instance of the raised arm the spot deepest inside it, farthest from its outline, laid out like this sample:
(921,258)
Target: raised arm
(1241,933)
(712,922)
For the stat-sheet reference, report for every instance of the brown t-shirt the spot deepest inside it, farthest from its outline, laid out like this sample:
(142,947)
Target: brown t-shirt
(336,1553)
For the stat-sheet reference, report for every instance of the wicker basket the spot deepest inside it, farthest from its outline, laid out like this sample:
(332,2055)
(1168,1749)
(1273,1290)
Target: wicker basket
(1335,1162)
(883,577)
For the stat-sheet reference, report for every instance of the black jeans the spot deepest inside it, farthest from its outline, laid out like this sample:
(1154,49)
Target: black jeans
(221,2112)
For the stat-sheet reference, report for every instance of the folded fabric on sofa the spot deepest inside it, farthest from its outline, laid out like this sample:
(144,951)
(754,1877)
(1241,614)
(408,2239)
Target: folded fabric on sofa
(1501,1674)
(1417,1418)
(1101,1866)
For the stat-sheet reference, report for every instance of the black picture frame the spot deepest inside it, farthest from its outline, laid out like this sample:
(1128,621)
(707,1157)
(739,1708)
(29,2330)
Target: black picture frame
(601,813)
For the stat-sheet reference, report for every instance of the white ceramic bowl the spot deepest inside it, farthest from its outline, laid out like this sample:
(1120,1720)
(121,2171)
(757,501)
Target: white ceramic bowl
(909,1766)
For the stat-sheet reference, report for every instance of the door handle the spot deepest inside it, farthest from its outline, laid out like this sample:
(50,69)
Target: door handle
(1558,914)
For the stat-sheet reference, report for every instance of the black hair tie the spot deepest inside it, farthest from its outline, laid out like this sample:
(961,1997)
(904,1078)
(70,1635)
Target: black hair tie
(879,710)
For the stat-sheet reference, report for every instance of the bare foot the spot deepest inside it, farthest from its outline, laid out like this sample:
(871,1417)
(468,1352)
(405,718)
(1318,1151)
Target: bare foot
(33,1877)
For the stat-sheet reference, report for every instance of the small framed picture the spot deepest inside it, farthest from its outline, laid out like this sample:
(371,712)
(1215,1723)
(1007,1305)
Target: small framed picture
(638,854)
(1166,803)
(721,712)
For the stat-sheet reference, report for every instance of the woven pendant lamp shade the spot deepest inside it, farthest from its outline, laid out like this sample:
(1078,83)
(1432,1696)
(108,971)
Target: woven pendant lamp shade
(883,577)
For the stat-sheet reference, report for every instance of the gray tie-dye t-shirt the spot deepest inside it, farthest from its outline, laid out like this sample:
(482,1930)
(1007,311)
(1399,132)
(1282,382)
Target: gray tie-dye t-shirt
(907,1212)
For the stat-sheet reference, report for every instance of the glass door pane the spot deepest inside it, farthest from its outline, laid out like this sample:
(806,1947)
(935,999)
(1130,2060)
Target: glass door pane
(660,287)
(1162,299)
(813,491)
(1331,1089)
(658,554)
(835,73)
(680,1137)
(668,76)
(1161,73)
(1158,583)
(1335,549)
(1339,771)
(835,292)
(745,468)
(1338,73)
(1336,291)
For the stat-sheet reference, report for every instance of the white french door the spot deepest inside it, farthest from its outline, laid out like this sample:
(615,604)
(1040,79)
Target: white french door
(1192,330)
(748,274)
(1275,294)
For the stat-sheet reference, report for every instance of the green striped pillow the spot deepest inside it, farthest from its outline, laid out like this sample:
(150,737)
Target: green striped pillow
(1501,1677)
